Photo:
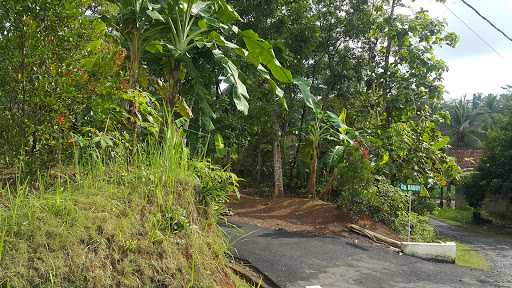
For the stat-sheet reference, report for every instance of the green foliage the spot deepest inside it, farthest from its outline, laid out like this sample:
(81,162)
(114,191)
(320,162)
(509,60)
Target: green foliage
(455,216)
(355,173)
(424,206)
(472,119)
(395,114)
(380,201)
(421,229)
(492,179)
(216,185)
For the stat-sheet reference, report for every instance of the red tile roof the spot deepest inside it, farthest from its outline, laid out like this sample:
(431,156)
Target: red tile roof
(467,159)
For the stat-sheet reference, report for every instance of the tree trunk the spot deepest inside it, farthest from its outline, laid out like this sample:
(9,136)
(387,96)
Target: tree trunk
(313,171)
(386,87)
(441,201)
(278,161)
(326,193)
(134,61)
(134,84)
(293,168)
(258,165)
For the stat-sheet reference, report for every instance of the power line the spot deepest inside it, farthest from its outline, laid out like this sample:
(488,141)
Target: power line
(474,32)
(487,20)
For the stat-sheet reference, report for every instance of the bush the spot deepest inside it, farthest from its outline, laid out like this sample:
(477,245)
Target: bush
(421,230)
(354,174)
(389,205)
(215,185)
(423,206)
(382,202)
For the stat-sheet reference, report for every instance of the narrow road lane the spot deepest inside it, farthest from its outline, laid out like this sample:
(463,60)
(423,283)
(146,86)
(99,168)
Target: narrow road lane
(298,260)
(497,250)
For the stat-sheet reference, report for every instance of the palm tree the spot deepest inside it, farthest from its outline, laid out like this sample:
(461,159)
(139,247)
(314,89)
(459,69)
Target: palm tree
(465,128)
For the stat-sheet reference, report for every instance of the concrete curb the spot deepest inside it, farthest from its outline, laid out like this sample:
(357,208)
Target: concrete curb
(444,252)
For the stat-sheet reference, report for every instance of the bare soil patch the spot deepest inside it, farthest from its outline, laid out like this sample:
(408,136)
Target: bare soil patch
(300,215)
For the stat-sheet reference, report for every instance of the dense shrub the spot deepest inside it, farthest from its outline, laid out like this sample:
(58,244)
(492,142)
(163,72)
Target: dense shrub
(215,185)
(380,201)
(389,205)
(421,229)
(354,173)
(423,205)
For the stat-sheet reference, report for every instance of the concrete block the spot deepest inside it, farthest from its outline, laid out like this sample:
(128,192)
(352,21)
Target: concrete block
(444,252)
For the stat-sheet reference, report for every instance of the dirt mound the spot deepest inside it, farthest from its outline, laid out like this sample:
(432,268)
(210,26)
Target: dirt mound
(300,215)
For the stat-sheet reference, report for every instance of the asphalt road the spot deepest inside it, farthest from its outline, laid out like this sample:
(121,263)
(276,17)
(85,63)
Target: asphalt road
(497,250)
(300,260)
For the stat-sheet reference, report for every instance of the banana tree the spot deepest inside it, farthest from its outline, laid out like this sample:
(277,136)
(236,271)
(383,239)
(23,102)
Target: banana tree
(133,27)
(325,125)
(192,25)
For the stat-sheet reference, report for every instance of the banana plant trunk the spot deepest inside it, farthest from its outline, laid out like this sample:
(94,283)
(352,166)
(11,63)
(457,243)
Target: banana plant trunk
(278,161)
(313,171)
(134,61)
(173,82)
(326,193)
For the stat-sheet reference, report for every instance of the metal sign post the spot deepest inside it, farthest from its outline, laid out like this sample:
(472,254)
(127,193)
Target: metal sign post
(409,226)
(410,188)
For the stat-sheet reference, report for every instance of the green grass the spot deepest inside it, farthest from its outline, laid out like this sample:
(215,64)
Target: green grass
(108,225)
(463,219)
(454,216)
(467,257)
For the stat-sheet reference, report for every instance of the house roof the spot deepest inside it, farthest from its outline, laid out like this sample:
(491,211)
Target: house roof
(467,159)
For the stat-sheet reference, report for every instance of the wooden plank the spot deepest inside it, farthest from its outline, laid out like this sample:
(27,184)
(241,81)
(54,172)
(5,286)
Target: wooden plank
(374,236)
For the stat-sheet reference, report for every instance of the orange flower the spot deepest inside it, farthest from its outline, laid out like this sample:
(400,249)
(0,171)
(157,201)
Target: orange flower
(125,85)
(67,73)
(120,56)
(61,119)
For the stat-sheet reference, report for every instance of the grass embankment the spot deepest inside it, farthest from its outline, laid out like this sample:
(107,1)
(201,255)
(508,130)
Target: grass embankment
(109,226)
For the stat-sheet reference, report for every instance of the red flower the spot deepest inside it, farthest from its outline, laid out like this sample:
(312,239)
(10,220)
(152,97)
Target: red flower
(61,119)
(67,73)
(365,153)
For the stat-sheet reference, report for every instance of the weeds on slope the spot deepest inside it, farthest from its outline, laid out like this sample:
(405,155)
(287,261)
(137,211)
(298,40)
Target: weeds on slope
(151,223)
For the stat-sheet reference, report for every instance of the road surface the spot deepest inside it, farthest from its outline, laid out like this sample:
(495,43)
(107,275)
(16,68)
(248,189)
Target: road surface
(496,249)
(299,260)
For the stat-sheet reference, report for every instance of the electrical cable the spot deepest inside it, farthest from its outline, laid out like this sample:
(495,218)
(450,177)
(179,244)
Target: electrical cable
(474,32)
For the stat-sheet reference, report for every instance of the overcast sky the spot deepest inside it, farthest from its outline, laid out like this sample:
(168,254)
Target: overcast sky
(474,67)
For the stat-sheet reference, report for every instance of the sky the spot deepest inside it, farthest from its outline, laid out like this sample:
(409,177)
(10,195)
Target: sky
(473,66)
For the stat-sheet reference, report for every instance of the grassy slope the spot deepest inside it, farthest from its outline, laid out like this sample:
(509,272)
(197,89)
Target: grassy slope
(106,226)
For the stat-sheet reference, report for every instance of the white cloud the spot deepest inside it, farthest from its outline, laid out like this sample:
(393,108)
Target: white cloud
(474,67)
(482,73)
